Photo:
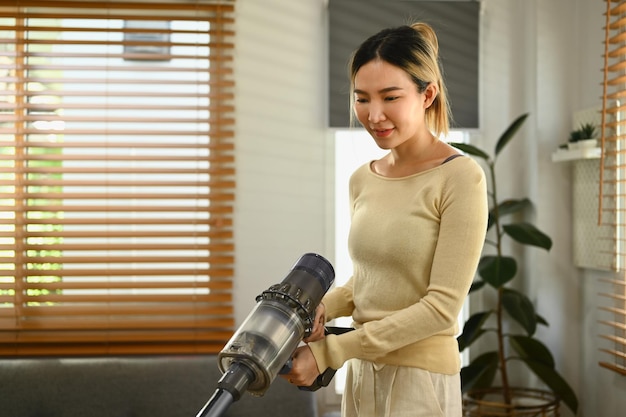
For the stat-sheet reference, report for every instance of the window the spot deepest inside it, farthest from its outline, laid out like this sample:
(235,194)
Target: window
(612,193)
(116,177)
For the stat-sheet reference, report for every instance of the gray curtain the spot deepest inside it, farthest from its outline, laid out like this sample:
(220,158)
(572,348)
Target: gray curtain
(457,26)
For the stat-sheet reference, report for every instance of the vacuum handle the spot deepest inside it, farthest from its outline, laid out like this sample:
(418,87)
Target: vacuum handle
(323,379)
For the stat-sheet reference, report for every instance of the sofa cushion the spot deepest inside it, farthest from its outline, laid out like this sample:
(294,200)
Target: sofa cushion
(167,386)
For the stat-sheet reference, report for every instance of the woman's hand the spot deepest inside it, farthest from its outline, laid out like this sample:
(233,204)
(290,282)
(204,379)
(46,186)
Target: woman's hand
(303,368)
(318,325)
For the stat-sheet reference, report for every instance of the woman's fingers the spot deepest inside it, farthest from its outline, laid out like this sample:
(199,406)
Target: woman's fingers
(317,332)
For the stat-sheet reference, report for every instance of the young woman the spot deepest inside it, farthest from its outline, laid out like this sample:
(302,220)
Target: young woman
(418,222)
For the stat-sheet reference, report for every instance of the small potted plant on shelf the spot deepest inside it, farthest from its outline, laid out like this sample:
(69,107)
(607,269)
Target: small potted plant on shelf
(583,137)
(512,319)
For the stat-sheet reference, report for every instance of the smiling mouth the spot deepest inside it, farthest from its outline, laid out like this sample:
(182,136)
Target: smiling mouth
(382,132)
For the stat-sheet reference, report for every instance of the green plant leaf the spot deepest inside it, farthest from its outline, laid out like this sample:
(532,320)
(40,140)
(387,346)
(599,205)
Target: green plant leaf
(541,320)
(520,309)
(512,206)
(531,348)
(470,150)
(472,329)
(497,270)
(491,220)
(555,382)
(575,136)
(510,132)
(480,373)
(507,207)
(476,285)
(528,234)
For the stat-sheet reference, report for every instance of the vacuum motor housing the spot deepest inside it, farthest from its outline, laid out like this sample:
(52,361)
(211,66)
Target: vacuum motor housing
(283,316)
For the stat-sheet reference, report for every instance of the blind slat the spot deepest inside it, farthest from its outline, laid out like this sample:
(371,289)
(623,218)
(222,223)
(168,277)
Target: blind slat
(216,171)
(618,297)
(616,325)
(110,183)
(168,5)
(215,272)
(145,309)
(615,339)
(123,323)
(139,222)
(102,285)
(615,353)
(613,367)
(73,209)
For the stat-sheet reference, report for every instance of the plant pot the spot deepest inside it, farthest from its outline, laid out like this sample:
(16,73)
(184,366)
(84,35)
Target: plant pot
(526,402)
(583,144)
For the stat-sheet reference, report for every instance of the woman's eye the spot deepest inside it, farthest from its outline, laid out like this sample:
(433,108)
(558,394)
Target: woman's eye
(391,98)
(360,100)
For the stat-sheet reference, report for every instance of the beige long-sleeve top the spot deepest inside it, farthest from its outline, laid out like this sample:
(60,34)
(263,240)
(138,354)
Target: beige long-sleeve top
(415,243)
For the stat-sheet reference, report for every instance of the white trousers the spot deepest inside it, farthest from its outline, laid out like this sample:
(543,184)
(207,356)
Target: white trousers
(377,390)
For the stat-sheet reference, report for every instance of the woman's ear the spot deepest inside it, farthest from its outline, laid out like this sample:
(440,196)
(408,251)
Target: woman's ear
(430,94)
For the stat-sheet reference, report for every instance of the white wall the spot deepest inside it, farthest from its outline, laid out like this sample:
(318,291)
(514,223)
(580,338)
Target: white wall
(538,56)
(280,209)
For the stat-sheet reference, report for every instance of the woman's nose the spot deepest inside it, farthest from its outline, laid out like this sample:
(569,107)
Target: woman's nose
(376,113)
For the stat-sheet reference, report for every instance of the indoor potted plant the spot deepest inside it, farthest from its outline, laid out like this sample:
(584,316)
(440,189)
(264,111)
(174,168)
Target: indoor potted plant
(512,320)
(583,137)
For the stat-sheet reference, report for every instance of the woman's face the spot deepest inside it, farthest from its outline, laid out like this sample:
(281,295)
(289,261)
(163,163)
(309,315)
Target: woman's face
(388,105)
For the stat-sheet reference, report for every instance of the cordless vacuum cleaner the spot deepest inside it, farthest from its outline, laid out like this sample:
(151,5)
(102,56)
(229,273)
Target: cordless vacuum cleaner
(265,342)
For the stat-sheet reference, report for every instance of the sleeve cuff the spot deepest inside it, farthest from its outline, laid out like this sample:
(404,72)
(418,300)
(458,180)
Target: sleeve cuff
(334,350)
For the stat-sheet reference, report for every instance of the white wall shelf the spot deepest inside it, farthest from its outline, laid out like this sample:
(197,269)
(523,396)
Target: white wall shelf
(562,155)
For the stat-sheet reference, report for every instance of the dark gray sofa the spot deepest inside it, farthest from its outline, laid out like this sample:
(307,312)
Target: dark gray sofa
(164,386)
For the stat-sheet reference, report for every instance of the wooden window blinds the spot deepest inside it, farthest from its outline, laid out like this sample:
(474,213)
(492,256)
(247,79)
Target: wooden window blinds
(116,177)
(612,194)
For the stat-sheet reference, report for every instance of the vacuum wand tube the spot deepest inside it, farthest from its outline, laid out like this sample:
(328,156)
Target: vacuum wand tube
(268,337)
